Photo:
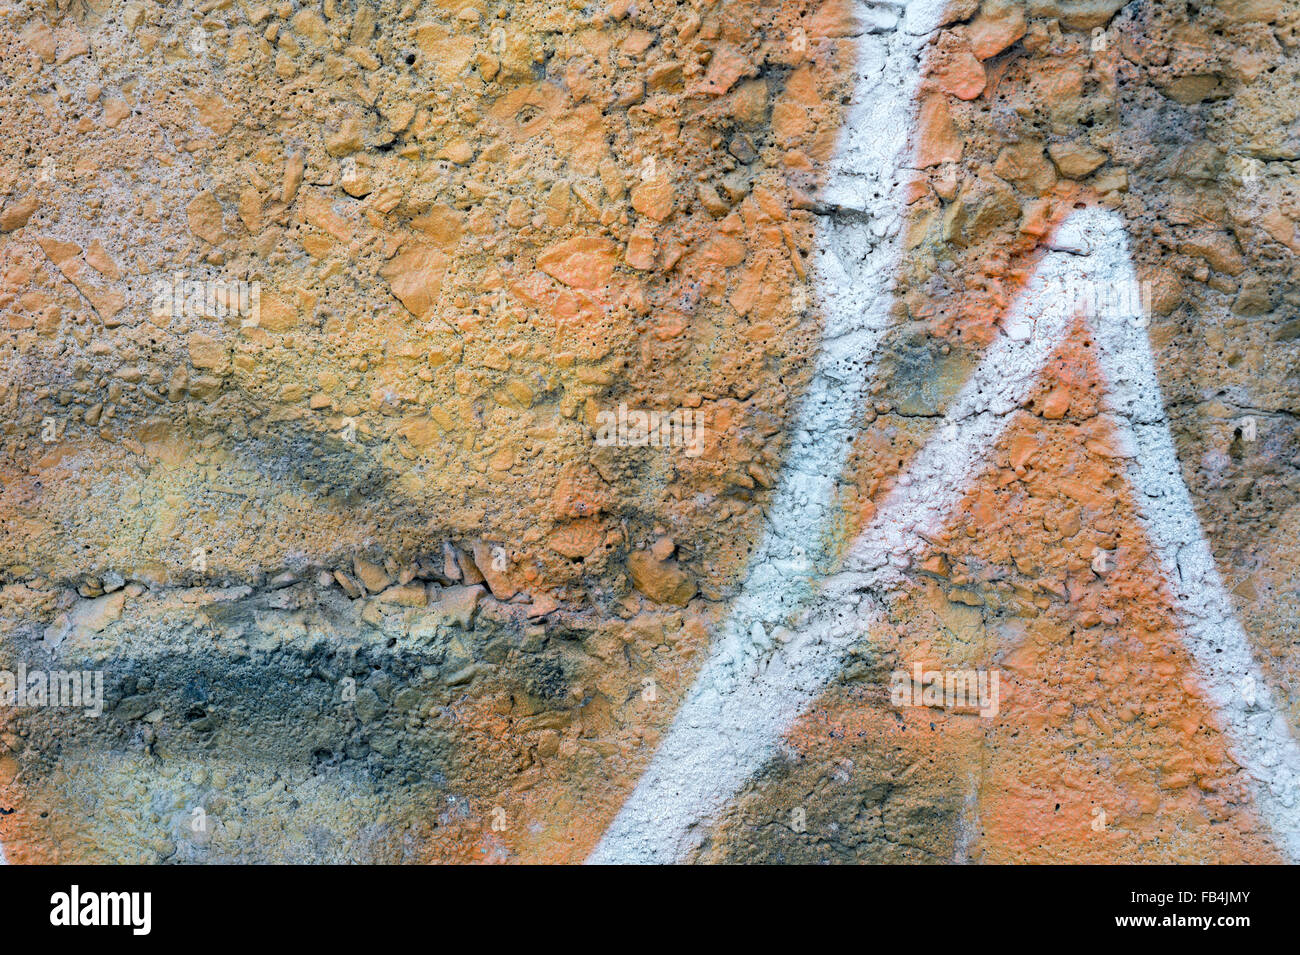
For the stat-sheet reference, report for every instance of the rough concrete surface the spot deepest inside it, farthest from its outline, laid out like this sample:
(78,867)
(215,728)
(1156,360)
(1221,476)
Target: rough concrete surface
(546,431)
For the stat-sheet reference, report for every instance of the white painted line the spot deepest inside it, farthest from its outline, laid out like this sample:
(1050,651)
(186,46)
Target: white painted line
(750,690)
(856,261)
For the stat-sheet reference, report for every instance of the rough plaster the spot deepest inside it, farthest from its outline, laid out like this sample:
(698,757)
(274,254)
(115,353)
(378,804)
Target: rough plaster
(892,406)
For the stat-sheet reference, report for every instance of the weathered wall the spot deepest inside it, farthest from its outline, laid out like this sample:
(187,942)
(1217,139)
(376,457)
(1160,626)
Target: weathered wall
(366,582)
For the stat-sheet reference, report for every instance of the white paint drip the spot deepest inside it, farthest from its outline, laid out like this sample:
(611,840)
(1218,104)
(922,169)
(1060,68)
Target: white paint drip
(731,722)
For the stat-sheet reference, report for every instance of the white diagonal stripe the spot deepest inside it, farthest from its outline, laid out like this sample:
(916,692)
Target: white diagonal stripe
(749,692)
